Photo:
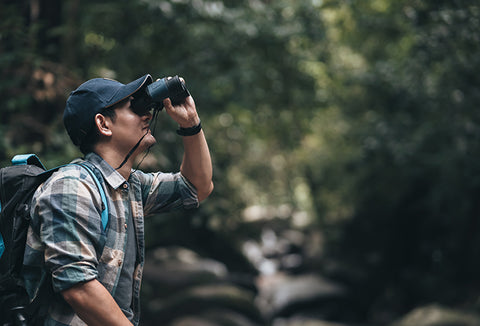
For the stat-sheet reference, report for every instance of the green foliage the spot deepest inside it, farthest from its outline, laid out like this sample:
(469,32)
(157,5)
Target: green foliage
(402,167)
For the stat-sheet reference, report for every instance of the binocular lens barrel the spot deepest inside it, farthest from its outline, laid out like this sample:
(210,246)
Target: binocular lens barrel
(155,93)
(172,88)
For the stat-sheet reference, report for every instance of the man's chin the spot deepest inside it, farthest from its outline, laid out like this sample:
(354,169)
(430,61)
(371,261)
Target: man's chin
(149,141)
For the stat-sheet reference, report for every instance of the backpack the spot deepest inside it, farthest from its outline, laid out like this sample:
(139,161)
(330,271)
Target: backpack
(17,186)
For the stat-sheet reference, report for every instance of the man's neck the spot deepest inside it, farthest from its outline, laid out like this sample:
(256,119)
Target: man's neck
(115,160)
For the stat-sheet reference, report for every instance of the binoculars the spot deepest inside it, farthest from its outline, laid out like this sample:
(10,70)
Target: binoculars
(152,96)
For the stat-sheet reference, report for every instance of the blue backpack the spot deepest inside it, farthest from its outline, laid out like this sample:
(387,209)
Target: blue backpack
(17,186)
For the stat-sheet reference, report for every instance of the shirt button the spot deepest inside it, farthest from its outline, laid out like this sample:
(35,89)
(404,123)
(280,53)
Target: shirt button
(125,226)
(125,186)
(119,263)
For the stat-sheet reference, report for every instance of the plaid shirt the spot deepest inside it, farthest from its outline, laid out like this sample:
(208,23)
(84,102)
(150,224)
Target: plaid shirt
(66,239)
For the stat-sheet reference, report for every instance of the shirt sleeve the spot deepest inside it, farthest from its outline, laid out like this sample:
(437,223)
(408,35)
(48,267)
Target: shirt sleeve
(70,227)
(166,191)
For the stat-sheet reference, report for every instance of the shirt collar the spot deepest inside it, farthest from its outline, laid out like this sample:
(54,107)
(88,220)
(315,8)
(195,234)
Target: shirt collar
(110,175)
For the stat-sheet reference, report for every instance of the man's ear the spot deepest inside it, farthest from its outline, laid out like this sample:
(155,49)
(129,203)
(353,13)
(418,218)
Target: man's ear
(103,124)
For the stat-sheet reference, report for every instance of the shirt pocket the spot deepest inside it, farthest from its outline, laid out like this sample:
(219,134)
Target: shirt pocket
(110,265)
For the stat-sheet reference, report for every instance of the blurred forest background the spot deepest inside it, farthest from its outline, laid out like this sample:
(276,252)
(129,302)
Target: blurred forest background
(345,137)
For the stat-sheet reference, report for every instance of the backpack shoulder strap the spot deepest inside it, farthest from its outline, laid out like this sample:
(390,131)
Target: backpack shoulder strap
(104,215)
(32,159)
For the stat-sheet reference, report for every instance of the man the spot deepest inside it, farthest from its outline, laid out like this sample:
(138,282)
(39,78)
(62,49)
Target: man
(95,273)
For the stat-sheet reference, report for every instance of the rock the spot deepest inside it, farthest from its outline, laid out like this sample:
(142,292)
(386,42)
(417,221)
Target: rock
(192,321)
(173,269)
(436,315)
(214,317)
(283,295)
(305,322)
(196,300)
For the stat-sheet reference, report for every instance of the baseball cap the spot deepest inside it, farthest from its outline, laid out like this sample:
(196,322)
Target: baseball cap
(91,98)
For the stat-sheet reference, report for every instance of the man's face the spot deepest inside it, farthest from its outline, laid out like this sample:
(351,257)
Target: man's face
(129,127)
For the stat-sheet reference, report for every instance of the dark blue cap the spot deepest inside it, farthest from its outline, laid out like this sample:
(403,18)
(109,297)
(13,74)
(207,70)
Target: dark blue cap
(91,98)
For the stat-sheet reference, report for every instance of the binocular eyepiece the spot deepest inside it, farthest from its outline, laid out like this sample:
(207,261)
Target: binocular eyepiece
(152,96)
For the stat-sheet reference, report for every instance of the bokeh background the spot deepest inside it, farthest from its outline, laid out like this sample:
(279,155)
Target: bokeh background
(344,134)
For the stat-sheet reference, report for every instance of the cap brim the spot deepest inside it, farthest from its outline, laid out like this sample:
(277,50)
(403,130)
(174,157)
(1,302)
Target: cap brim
(129,89)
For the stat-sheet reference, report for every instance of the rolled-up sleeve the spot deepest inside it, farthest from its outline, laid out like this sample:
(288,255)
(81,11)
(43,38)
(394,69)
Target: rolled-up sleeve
(69,210)
(166,191)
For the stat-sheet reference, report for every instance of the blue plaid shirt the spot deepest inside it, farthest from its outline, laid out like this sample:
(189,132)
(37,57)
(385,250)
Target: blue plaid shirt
(66,240)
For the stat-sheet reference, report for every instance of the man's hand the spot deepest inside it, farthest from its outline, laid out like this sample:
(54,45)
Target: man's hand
(185,113)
